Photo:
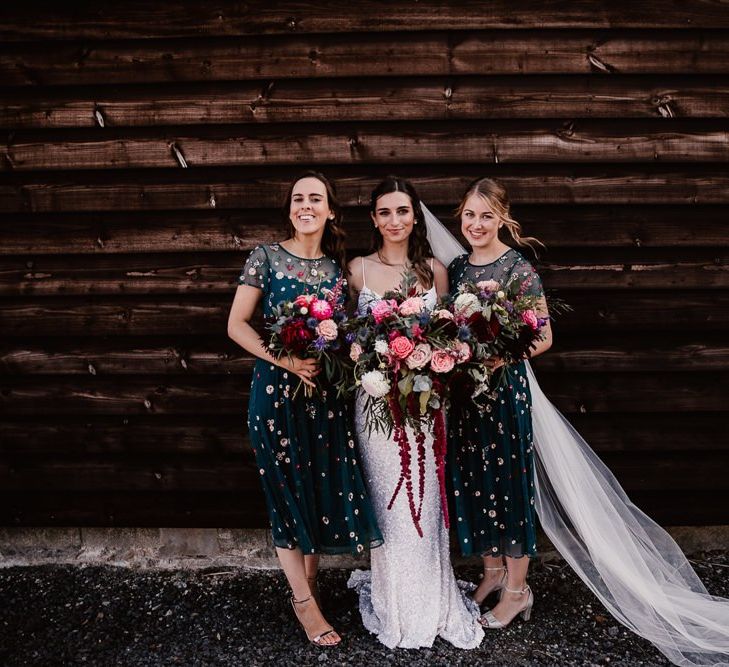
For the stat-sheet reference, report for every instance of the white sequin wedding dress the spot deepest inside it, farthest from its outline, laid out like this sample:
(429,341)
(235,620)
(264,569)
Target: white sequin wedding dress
(410,595)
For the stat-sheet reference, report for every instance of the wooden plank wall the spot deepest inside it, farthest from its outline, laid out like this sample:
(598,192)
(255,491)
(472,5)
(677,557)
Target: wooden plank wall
(123,402)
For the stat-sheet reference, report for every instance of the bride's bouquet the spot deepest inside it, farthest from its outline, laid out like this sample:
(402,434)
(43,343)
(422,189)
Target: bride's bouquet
(312,326)
(404,356)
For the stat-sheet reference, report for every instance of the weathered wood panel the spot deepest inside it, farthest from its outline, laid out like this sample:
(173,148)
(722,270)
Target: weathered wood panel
(141,435)
(404,99)
(528,184)
(112,315)
(677,472)
(217,273)
(334,55)
(211,355)
(124,403)
(245,507)
(215,395)
(185,18)
(498,141)
(577,227)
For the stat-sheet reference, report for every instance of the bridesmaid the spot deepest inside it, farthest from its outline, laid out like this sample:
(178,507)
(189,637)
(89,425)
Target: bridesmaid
(304,446)
(490,453)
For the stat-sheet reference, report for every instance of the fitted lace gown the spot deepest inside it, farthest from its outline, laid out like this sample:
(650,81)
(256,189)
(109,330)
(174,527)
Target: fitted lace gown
(410,595)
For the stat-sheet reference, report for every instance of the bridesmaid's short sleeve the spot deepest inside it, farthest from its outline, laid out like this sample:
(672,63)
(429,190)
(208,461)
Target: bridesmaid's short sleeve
(256,269)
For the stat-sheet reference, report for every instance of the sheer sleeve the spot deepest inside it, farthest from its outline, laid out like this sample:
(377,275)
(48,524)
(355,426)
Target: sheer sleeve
(523,270)
(256,269)
(455,272)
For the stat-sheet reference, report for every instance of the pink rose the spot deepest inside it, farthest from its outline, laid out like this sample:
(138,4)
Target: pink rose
(327,329)
(488,285)
(530,317)
(412,306)
(401,347)
(321,309)
(419,356)
(442,362)
(383,309)
(355,352)
(417,331)
(462,350)
(443,314)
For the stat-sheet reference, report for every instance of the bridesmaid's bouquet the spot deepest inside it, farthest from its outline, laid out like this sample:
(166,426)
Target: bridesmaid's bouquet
(496,322)
(403,357)
(312,326)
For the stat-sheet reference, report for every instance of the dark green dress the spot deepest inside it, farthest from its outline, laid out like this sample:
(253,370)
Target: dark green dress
(304,447)
(490,453)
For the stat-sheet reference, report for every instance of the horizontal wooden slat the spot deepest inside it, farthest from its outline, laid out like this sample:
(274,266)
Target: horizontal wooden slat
(112,315)
(125,474)
(122,395)
(58,436)
(335,55)
(217,273)
(205,356)
(471,143)
(185,18)
(651,471)
(383,99)
(242,508)
(568,226)
(527,184)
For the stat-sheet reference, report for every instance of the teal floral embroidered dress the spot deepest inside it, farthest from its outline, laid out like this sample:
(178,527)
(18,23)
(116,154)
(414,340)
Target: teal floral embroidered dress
(490,452)
(304,446)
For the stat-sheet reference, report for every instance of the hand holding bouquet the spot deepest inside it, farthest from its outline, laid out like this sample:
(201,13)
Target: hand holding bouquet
(311,327)
(500,323)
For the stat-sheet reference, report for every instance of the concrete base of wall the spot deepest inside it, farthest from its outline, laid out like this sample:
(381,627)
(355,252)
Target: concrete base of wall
(212,547)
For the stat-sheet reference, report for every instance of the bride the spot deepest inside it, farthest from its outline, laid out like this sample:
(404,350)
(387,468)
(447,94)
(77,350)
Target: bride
(410,595)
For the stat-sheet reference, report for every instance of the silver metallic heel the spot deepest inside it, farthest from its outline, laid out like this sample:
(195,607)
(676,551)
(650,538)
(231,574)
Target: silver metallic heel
(488,620)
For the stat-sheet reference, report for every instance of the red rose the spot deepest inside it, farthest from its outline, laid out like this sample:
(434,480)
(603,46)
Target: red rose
(296,336)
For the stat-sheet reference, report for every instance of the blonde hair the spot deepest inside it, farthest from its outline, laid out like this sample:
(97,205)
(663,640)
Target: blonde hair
(495,195)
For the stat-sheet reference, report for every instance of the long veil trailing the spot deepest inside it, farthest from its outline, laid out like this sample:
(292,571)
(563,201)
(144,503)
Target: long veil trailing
(629,562)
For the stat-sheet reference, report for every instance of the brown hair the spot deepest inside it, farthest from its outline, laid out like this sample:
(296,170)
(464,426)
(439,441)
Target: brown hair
(419,250)
(495,194)
(334,238)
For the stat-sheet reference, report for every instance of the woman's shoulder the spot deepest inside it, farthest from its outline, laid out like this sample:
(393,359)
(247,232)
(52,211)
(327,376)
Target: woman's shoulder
(458,261)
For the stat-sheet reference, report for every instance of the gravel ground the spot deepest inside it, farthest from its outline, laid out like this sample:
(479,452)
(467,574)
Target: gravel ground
(68,615)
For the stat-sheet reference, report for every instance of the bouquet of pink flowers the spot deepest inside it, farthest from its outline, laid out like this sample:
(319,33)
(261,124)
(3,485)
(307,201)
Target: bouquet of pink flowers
(403,358)
(496,322)
(312,326)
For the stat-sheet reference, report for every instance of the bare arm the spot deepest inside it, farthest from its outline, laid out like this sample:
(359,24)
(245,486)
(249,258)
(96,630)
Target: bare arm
(239,329)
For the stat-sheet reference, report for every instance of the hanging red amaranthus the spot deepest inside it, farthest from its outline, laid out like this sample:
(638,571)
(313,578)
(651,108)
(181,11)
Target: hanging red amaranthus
(439,448)
(406,477)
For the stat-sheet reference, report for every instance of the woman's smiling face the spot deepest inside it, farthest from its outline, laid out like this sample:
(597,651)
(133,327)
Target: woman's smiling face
(309,209)
(394,216)
(479,222)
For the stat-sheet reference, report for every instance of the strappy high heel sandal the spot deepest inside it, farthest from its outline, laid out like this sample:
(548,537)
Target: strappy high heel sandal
(488,620)
(499,586)
(317,639)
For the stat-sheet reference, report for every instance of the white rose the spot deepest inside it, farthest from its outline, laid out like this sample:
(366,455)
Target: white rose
(381,347)
(375,384)
(467,304)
